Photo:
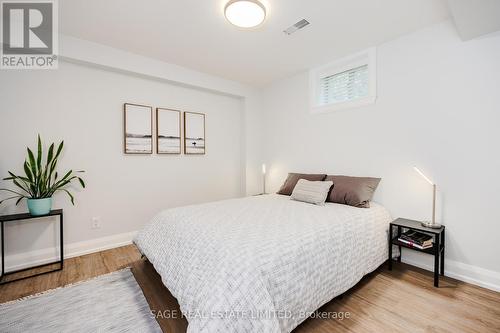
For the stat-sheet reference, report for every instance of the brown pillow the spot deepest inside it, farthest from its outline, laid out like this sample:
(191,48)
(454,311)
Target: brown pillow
(293,178)
(352,191)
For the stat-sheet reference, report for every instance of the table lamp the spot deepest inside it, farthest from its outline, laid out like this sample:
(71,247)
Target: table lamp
(263,178)
(433,223)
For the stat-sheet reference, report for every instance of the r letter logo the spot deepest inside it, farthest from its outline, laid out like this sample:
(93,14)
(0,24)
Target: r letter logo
(29,35)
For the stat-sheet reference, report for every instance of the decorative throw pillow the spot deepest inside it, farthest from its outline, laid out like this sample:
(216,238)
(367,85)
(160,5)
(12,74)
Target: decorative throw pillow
(314,192)
(352,191)
(293,178)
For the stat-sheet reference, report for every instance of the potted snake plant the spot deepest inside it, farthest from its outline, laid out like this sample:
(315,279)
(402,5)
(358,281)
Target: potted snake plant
(41,180)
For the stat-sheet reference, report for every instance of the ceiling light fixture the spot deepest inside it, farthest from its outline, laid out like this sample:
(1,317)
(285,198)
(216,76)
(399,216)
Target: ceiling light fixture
(245,13)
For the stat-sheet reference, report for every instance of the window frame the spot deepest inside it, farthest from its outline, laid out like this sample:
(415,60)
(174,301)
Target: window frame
(366,57)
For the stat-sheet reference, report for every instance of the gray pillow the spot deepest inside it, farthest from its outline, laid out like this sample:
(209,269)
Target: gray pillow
(293,178)
(352,191)
(312,192)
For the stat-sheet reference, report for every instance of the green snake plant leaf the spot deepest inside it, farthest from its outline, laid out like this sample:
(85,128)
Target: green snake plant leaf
(62,183)
(31,177)
(9,198)
(39,155)
(59,149)
(19,200)
(71,197)
(20,186)
(27,171)
(11,191)
(81,182)
(31,160)
(28,184)
(54,160)
(32,164)
(50,155)
(66,176)
(24,179)
(46,173)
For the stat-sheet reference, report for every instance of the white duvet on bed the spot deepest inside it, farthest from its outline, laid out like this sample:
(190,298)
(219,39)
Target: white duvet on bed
(260,264)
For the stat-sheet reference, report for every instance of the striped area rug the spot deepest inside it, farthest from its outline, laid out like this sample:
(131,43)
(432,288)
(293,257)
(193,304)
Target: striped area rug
(108,303)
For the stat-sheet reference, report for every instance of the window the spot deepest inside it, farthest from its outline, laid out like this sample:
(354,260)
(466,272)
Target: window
(346,83)
(349,85)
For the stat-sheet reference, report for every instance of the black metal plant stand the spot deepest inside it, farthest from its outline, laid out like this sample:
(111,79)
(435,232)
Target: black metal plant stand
(17,217)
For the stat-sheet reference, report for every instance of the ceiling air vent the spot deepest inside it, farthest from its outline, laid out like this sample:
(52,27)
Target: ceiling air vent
(299,25)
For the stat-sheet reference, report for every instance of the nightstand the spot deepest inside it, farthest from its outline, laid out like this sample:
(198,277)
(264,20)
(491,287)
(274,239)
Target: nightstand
(437,250)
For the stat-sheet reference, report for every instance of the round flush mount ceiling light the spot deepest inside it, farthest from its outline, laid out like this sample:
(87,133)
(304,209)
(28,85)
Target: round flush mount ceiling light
(245,13)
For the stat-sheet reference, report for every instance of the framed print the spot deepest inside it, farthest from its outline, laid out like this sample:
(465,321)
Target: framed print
(138,129)
(168,131)
(194,133)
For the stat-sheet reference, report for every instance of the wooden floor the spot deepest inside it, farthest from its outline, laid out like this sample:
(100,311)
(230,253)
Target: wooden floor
(401,300)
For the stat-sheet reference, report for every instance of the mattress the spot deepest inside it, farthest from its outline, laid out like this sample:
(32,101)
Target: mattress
(262,263)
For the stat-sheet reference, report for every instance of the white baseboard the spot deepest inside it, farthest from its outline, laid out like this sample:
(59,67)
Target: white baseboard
(43,256)
(471,274)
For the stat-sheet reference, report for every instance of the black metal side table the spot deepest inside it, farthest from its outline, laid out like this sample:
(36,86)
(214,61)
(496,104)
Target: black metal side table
(17,217)
(437,249)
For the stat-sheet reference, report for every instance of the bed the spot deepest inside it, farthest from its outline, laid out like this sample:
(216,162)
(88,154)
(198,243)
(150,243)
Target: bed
(262,263)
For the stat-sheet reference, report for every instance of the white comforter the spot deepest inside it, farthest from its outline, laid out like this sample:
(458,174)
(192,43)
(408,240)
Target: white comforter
(264,263)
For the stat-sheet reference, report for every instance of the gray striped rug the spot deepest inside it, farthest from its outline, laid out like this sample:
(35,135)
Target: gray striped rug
(109,303)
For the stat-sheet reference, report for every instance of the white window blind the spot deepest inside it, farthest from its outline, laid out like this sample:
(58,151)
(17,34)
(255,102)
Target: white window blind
(349,85)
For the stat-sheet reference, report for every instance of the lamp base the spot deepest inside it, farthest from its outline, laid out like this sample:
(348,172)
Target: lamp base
(431,225)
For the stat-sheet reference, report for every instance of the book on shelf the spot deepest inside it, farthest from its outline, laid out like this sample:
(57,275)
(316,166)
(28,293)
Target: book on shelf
(417,238)
(417,246)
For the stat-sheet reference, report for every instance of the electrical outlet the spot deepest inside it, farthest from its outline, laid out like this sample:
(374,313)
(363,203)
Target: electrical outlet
(96,223)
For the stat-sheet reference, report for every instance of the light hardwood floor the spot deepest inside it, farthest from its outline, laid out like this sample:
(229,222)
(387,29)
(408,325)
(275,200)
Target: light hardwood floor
(401,300)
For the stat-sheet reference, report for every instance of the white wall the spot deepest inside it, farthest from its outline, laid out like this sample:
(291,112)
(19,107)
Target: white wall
(253,132)
(105,57)
(83,106)
(438,108)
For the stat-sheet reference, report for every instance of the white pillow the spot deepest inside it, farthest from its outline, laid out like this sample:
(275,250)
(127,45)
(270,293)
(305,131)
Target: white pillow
(314,192)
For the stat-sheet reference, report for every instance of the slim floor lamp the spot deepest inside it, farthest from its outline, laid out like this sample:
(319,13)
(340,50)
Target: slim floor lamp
(433,223)
(263,179)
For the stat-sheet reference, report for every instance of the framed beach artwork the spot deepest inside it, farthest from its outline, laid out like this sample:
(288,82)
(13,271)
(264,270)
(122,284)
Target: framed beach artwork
(194,133)
(138,129)
(168,131)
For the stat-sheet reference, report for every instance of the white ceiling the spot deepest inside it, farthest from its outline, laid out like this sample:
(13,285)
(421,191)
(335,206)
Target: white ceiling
(195,34)
(475,18)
